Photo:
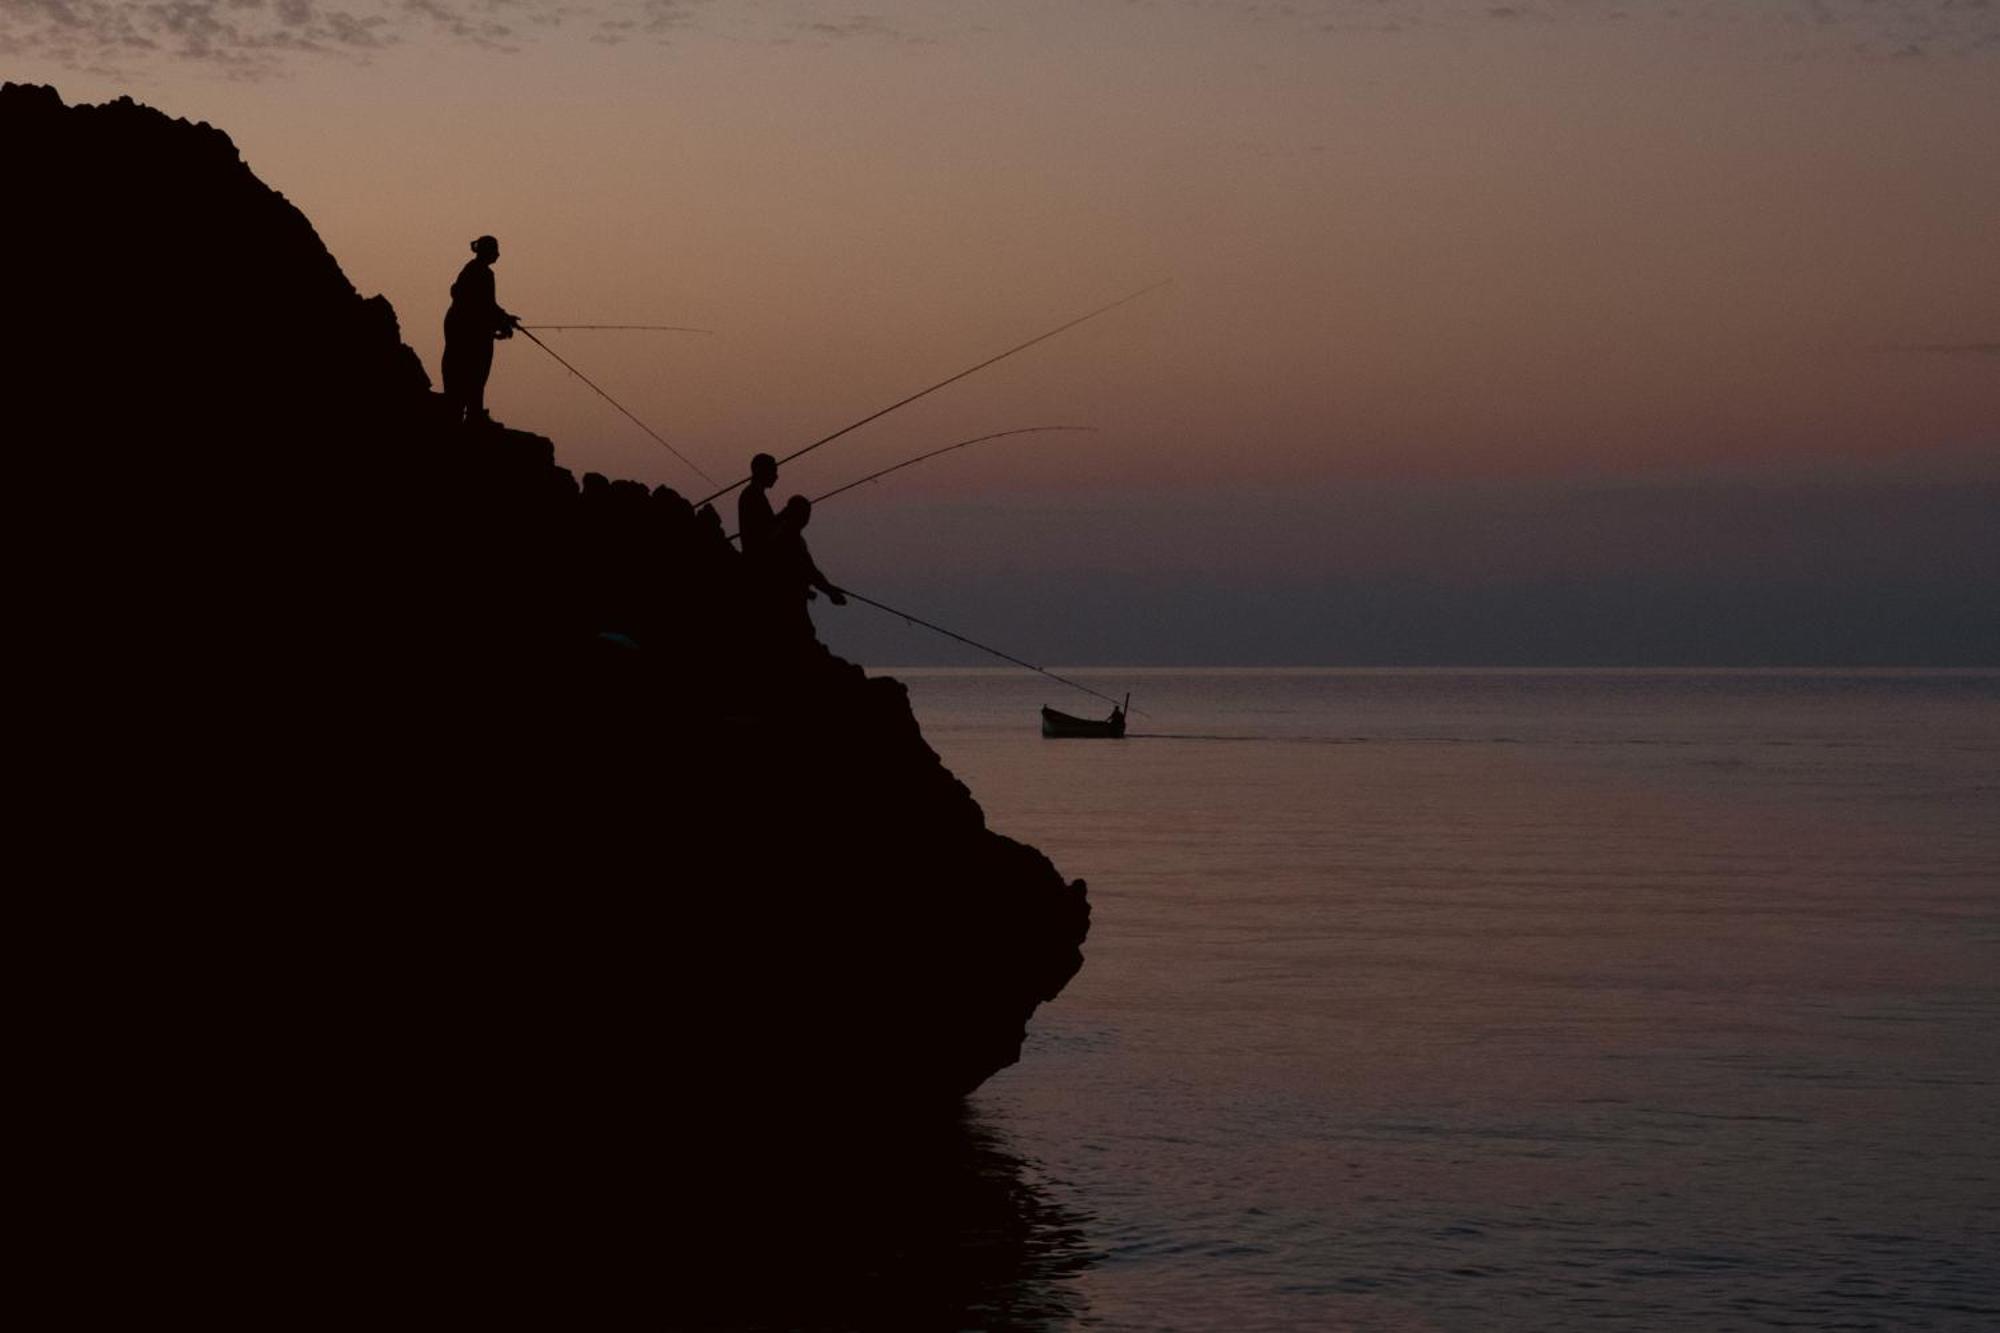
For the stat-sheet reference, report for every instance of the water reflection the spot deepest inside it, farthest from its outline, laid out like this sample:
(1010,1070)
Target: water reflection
(937,1226)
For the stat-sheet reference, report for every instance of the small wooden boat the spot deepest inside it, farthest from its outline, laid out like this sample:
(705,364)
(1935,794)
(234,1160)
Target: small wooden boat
(1055,724)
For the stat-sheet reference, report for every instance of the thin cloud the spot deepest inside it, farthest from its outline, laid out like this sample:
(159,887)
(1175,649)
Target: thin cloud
(1870,28)
(250,38)
(871,27)
(256,37)
(1950,349)
(655,19)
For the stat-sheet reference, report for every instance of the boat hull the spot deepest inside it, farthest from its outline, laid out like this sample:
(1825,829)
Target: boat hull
(1062,726)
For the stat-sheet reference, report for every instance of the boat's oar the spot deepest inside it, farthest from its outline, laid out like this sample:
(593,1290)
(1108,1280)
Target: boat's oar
(984,648)
(615,403)
(953,379)
(912,462)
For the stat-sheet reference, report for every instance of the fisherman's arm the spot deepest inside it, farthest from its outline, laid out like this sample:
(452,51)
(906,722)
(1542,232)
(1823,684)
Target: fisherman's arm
(819,580)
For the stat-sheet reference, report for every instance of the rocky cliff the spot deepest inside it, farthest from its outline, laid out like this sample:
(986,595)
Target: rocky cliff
(368,811)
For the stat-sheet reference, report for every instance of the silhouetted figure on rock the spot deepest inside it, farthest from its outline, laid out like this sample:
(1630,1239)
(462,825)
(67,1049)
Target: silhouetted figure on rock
(474,320)
(790,569)
(754,519)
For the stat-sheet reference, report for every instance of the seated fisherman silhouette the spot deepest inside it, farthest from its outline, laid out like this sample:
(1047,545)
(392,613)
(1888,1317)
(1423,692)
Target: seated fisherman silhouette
(791,565)
(474,320)
(754,519)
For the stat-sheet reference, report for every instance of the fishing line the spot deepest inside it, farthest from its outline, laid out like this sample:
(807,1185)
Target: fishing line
(974,643)
(911,462)
(620,406)
(643,328)
(904,402)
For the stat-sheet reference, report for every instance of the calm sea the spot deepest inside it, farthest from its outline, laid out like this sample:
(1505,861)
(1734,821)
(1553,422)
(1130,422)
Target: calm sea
(1477,1000)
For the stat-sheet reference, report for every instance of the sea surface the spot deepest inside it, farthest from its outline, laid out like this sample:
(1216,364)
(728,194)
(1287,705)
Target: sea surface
(1466,1000)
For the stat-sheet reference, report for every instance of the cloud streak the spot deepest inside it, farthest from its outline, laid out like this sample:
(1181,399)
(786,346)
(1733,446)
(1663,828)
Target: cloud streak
(1960,349)
(1877,28)
(248,38)
(255,37)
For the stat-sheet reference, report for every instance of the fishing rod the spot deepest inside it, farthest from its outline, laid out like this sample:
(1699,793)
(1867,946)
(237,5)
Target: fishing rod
(904,402)
(615,403)
(912,462)
(642,328)
(984,648)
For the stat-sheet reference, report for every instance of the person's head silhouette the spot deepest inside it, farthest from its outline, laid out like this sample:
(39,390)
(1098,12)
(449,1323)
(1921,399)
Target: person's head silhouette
(798,511)
(763,469)
(486,248)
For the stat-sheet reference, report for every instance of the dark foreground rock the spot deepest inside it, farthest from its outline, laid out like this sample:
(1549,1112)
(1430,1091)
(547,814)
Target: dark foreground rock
(369,845)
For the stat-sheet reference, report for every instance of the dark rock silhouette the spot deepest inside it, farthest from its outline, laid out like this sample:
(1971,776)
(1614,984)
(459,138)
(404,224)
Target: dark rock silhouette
(422,789)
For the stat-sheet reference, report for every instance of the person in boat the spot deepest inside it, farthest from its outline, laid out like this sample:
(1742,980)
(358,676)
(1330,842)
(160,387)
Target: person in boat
(471,325)
(754,519)
(789,564)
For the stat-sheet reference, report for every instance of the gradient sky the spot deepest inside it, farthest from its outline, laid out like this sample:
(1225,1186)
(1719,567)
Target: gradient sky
(1609,296)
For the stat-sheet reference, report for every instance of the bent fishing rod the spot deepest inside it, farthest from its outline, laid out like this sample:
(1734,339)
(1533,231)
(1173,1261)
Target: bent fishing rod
(904,402)
(615,403)
(912,462)
(984,648)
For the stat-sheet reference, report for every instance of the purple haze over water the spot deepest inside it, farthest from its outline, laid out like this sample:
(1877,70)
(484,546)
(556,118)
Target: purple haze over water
(1523,1000)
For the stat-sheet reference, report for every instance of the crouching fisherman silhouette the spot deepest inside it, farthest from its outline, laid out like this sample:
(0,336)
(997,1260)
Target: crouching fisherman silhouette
(791,569)
(472,323)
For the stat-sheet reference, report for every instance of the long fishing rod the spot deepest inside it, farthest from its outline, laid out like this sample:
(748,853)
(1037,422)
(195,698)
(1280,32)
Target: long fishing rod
(912,462)
(974,643)
(615,403)
(904,402)
(642,328)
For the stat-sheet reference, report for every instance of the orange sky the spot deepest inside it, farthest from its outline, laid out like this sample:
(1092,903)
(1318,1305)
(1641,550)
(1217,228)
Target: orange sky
(1412,239)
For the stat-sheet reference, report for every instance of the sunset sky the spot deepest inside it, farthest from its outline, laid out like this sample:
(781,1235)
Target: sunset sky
(1488,322)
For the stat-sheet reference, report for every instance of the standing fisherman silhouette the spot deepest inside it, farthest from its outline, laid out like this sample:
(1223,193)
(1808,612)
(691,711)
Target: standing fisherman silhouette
(754,519)
(474,320)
